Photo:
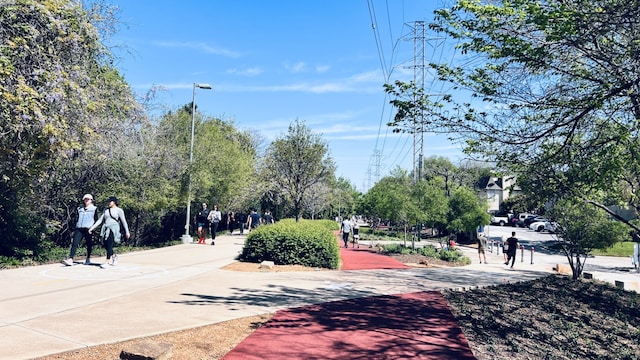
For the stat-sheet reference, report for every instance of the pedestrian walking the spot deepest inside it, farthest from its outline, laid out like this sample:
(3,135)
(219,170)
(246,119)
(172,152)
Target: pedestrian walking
(201,220)
(482,245)
(346,230)
(111,233)
(231,221)
(356,232)
(268,218)
(214,217)
(254,220)
(87,216)
(512,243)
(241,218)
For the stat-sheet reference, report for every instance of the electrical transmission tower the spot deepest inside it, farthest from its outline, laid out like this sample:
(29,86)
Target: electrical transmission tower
(419,42)
(422,90)
(376,168)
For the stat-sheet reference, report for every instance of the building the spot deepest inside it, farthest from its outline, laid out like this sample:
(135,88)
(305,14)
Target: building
(499,189)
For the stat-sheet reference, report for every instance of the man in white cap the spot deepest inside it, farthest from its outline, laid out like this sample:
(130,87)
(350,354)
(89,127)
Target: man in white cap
(87,215)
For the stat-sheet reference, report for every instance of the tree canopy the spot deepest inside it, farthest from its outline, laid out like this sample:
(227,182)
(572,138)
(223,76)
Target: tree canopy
(546,89)
(296,162)
(71,125)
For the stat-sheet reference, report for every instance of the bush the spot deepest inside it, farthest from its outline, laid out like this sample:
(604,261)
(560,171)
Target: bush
(428,251)
(396,249)
(453,255)
(308,243)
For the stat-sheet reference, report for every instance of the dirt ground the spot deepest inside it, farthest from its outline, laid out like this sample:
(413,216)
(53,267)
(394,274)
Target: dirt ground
(550,318)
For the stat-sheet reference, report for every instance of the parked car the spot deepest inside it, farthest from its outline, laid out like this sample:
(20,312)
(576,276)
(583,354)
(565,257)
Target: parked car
(501,219)
(526,221)
(544,225)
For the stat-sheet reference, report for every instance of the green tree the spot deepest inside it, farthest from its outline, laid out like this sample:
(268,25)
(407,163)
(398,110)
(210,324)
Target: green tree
(557,81)
(390,199)
(344,198)
(63,109)
(438,166)
(466,212)
(223,159)
(295,163)
(582,229)
(433,203)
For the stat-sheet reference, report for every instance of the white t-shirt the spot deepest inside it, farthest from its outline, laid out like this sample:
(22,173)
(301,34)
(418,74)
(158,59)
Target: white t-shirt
(346,226)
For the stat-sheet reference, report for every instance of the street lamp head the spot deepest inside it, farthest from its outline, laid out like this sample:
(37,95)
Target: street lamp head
(203,86)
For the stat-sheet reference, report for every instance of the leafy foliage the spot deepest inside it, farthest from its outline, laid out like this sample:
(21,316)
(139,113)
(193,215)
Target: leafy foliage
(449,255)
(466,211)
(71,125)
(582,229)
(307,242)
(295,163)
(64,111)
(558,86)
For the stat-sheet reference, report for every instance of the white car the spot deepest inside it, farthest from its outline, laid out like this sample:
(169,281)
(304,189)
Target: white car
(543,225)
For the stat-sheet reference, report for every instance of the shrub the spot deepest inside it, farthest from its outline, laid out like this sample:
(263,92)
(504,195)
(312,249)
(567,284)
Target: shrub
(308,243)
(396,249)
(429,250)
(454,255)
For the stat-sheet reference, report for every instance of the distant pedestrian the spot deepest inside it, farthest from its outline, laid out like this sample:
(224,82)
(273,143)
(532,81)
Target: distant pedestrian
(201,220)
(231,221)
(512,244)
(268,218)
(214,218)
(346,230)
(253,220)
(241,219)
(505,249)
(482,245)
(87,216)
(110,232)
(356,232)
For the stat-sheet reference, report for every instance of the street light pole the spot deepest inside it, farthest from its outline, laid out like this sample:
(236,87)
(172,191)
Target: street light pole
(186,238)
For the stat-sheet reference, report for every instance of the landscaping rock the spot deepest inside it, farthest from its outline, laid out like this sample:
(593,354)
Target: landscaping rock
(147,351)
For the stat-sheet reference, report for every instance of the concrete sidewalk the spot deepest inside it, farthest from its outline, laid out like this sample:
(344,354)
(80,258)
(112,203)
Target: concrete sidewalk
(53,308)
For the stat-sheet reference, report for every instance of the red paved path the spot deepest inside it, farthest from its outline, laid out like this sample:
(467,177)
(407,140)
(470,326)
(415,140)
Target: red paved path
(416,325)
(364,258)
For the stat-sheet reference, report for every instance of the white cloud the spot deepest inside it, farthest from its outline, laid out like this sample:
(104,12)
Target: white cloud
(199,46)
(369,76)
(297,67)
(253,71)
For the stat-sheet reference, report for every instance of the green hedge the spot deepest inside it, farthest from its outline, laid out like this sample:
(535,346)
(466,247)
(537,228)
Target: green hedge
(308,243)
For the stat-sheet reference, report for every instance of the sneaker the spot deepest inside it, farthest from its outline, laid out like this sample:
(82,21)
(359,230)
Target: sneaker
(87,261)
(68,262)
(104,265)
(114,262)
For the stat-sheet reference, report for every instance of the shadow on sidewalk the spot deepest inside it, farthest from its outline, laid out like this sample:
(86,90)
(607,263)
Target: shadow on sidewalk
(382,327)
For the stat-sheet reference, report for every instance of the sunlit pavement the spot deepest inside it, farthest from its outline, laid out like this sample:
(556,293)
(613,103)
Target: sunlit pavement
(53,308)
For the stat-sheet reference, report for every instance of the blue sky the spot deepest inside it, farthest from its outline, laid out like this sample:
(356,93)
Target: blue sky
(272,62)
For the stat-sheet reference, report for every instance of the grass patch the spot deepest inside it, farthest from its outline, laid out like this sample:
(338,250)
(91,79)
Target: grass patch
(622,249)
